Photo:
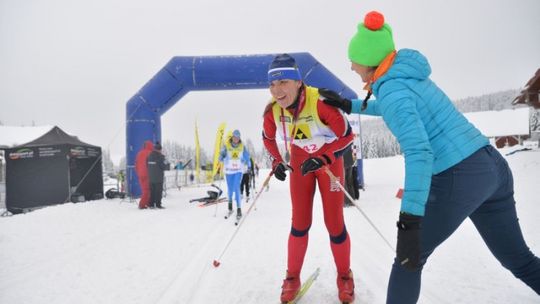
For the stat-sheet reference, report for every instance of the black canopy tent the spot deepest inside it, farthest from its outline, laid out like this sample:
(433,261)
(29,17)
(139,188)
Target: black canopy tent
(53,169)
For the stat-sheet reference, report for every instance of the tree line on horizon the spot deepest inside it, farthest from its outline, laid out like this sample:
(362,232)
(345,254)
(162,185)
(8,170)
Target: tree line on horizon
(377,140)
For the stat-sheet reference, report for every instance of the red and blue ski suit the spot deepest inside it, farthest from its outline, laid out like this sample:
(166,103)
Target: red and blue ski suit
(142,173)
(322,131)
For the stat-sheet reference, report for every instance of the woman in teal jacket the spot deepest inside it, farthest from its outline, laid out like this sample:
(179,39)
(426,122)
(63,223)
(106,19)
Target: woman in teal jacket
(451,171)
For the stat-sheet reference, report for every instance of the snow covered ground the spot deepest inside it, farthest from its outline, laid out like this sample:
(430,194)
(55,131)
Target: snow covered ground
(108,251)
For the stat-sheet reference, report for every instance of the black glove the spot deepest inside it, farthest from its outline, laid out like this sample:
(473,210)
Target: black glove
(313,164)
(280,170)
(332,98)
(408,241)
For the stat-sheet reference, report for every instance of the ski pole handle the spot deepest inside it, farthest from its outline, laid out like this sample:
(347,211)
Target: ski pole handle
(335,180)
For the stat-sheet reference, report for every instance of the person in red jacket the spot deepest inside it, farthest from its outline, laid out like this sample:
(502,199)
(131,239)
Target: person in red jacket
(313,136)
(142,173)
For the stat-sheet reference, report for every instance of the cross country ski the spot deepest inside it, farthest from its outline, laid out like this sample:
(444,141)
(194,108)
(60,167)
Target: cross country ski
(305,287)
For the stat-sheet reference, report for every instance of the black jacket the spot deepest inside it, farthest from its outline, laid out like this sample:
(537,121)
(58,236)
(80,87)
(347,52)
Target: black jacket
(348,159)
(156,164)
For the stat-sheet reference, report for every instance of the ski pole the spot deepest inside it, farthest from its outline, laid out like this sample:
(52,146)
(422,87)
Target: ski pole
(266,181)
(335,180)
(215,210)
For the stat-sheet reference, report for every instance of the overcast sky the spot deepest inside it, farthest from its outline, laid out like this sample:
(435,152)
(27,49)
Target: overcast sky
(75,63)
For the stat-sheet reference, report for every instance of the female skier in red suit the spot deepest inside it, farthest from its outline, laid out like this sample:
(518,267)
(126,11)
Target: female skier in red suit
(314,135)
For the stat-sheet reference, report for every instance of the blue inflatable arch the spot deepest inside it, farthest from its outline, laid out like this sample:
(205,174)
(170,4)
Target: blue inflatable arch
(205,73)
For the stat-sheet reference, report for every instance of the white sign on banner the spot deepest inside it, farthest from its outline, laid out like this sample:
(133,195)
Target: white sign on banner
(354,121)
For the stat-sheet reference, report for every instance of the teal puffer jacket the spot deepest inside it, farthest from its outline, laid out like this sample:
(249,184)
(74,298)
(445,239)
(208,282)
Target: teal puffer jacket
(432,134)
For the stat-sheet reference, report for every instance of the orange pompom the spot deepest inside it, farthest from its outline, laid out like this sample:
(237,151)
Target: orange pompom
(374,20)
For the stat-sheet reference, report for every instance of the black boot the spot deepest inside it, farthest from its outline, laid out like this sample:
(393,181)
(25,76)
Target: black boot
(230,205)
(238,212)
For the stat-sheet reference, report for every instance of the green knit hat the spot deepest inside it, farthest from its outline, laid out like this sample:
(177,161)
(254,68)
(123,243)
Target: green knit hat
(373,41)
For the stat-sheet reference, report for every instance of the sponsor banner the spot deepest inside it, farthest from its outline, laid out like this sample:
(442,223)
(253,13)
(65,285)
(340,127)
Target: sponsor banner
(84,152)
(23,153)
(49,151)
(92,152)
(217,149)
(77,152)
(52,151)
(354,121)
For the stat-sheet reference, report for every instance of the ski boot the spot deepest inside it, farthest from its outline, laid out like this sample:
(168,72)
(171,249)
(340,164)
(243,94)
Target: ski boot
(238,214)
(345,284)
(290,288)
(229,212)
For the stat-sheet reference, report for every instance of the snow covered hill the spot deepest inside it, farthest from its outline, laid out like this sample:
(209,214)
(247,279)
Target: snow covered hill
(108,251)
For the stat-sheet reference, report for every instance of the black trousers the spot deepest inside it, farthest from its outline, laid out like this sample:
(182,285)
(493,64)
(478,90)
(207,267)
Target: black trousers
(349,185)
(245,184)
(156,192)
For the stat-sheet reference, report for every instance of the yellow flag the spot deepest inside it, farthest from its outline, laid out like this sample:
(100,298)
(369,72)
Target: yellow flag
(197,153)
(217,148)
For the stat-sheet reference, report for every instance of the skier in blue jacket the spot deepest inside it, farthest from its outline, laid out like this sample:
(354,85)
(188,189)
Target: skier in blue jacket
(451,170)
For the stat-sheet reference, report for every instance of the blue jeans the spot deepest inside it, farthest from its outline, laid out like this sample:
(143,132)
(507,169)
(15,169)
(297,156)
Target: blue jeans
(480,187)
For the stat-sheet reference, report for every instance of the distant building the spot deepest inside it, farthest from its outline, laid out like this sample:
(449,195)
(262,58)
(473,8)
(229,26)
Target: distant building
(2,171)
(530,95)
(504,128)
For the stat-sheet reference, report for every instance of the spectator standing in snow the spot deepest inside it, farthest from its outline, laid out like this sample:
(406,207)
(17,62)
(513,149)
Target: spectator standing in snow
(157,164)
(314,136)
(121,178)
(234,157)
(451,171)
(351,185)
(247,176)
(142,173)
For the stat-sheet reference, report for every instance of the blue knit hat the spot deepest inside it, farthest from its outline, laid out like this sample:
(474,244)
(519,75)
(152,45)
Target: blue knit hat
(236,133)
(283,67)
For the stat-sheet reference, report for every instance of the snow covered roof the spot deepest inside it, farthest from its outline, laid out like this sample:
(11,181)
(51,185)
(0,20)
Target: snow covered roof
(501,123)
(11,136)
